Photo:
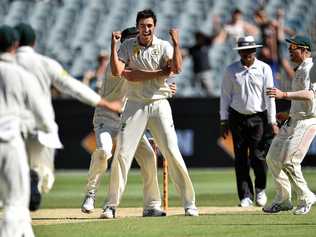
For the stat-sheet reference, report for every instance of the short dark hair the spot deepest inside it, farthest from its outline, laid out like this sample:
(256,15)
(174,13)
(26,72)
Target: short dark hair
(7,37)
(236,11)
(26,34)
(147,13)
(128,33)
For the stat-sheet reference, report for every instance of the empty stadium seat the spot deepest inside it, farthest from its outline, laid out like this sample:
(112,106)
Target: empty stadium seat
(75,31)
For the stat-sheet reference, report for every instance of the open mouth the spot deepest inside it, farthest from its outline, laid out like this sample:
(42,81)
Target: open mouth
(147,34)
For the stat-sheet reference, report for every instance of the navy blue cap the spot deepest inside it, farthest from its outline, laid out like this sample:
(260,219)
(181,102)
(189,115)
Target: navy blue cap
(128,32)
(7,37)
(302,41)
(26,34)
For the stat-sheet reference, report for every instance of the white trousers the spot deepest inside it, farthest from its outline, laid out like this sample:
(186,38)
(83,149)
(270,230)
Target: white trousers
(157,117)
(41,160)
(15,179)
(285,156)
(145,157)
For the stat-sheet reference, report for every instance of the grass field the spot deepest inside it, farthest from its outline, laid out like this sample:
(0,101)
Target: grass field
(214,188)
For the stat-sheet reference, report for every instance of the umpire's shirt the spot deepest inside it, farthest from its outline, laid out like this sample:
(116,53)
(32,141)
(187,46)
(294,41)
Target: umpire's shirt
(243,89)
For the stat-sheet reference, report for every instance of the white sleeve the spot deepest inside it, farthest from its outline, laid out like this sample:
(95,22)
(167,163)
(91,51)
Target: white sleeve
(312,74)
(226,95)
(35,103)
(270,102)
(71,86)
(123,52)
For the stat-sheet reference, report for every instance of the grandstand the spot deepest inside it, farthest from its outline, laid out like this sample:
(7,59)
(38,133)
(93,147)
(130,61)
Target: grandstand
(74,31)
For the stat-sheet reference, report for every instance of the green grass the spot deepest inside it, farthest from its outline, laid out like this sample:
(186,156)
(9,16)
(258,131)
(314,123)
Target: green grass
(213,187)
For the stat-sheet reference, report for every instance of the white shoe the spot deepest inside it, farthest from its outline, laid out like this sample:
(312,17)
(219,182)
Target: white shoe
(88,203)
(191,212)
(246,202)
(108,213)
(261,198)
(305,206)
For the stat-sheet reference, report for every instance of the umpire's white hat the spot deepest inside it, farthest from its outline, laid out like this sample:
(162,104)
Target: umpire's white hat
(247,42)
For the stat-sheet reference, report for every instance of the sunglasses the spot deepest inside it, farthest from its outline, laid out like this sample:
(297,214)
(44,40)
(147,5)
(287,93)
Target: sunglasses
(295,46)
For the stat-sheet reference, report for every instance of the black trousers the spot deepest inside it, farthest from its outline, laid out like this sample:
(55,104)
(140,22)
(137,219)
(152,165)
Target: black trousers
(251,137)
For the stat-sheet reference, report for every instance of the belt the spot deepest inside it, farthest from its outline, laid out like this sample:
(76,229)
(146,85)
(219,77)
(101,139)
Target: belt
(234,112)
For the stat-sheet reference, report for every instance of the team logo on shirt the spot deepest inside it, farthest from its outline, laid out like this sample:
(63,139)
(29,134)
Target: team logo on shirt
(136,50)
(123,126)
(155,52)
(64,73)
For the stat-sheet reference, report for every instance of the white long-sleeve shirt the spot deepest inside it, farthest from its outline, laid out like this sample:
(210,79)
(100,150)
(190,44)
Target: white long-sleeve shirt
(244,90)
(301,109)
(49,72)
(19,103)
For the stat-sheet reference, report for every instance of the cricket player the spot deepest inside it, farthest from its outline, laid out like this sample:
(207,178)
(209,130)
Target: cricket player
(41,146)
(19,104)
(106,126)
(147,107)
(290,146)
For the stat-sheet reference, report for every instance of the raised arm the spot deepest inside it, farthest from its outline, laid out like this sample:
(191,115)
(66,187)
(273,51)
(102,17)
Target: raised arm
(176,64)
(117,66)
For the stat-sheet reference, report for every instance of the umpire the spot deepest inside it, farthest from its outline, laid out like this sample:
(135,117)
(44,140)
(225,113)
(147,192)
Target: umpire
(251,116)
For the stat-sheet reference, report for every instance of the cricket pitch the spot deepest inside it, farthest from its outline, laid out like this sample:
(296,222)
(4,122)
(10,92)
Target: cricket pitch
(74,215)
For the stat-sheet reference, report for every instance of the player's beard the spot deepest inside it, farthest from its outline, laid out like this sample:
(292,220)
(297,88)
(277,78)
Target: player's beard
(146,38)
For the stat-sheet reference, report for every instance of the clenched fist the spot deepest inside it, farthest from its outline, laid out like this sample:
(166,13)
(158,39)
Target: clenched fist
(116,36)
(174,34)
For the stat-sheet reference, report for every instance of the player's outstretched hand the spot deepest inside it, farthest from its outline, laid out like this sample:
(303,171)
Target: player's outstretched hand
(114,106)
(275,93)
(174,34)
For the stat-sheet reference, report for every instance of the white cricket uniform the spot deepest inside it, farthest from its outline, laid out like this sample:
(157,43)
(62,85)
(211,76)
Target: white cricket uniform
(290,146)
(148,107)
(19,92)
(106,126)
(49,73)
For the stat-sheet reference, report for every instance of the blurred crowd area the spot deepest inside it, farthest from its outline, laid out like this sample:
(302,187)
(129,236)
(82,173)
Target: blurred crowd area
(78,34)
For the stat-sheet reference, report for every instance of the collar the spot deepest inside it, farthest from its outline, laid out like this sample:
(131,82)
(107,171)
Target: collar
(25,49)
(307,61)
(154,41)
(7,57)
(254,65)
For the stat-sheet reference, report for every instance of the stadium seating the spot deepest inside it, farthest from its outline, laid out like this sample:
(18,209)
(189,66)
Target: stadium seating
(74,31)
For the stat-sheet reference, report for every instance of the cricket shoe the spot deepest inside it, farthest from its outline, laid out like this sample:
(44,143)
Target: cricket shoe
(261,198)
(153,213)
(108,213)
(36,196)
(88,203)
(246,202)
(304,207)
(192,211)
(278,207)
